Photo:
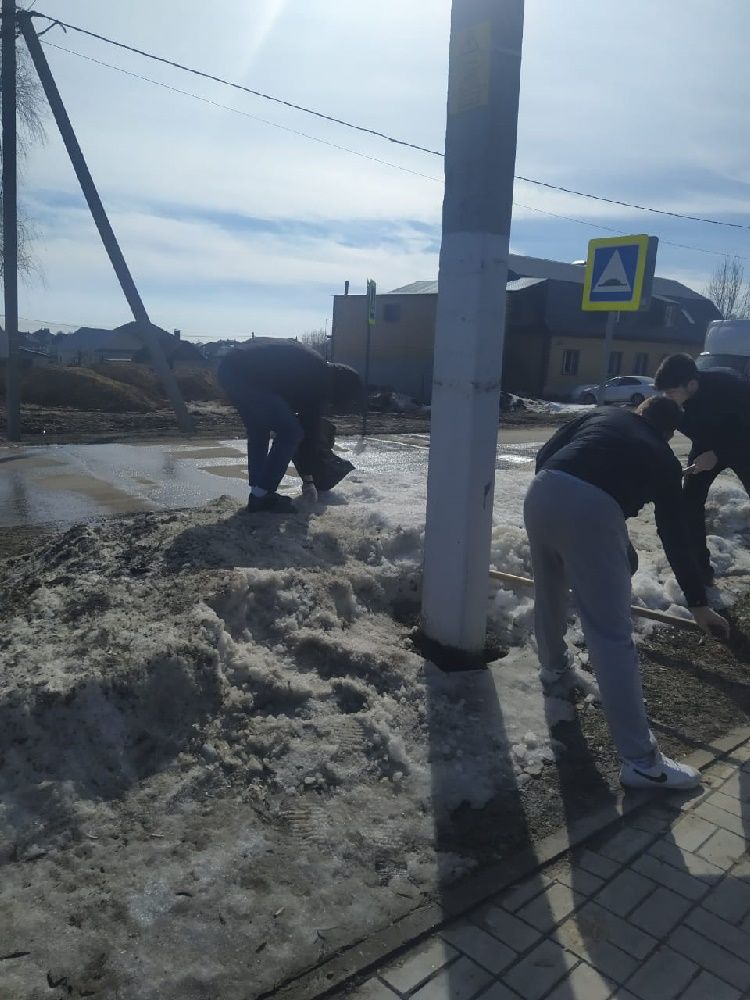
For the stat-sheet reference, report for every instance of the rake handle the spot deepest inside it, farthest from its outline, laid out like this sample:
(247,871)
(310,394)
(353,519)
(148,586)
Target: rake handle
(524,583)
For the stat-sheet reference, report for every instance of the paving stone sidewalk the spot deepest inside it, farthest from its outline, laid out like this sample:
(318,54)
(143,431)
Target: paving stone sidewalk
(655,908)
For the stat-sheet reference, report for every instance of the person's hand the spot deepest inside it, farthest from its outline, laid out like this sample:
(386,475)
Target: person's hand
(710,621)
(309,492)
(705,462)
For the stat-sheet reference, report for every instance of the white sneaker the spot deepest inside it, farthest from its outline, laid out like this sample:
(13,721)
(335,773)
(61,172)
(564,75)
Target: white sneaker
(664,773)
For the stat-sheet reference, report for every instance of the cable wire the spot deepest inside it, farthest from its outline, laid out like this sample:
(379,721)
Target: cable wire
(238,86)
(355,152)
(237,111)
(376,133)
(618,232)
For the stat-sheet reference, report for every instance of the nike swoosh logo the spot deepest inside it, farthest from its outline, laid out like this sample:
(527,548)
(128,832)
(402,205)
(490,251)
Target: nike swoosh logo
(657,781)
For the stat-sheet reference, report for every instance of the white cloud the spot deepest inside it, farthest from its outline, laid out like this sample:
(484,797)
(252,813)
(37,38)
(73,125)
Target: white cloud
(646,104)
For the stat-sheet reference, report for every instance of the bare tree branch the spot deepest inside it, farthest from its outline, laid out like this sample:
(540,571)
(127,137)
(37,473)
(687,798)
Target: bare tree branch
(30,111)
(317,339)
(728,289)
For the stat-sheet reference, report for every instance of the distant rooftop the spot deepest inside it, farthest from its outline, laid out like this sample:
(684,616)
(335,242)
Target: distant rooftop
(520,268)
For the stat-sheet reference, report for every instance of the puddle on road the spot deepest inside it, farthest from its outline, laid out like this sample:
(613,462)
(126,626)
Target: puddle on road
(31,461)
(228,471)
(204,453)
(66,484)
(104,494)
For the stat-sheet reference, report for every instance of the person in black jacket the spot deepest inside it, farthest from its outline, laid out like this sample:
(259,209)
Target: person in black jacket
(716,418)
(284,387)
(595,472)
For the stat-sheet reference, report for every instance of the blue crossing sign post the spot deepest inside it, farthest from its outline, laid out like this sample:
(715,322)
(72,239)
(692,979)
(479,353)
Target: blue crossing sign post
(619,277)
(619,274)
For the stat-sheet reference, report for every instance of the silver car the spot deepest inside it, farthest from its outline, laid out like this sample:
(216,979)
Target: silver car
(632,389)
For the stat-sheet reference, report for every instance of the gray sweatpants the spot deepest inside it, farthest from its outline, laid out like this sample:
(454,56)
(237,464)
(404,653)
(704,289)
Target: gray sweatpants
(579,540)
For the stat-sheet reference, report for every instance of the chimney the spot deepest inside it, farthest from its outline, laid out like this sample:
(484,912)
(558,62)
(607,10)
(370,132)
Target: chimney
(177,334)
(346,288)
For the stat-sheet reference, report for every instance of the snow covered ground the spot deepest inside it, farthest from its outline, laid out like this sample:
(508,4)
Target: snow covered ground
(222,758)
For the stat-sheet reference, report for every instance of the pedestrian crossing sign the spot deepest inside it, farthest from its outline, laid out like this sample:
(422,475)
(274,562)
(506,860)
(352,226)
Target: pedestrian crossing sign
(619,274)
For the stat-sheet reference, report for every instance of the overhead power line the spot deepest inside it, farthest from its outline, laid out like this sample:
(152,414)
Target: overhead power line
(238,86)
(377,134)
(237,111)
(356,152)
(611,229)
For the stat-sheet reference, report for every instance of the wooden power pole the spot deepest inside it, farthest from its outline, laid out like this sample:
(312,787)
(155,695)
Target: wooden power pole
(145,329)
(10,219)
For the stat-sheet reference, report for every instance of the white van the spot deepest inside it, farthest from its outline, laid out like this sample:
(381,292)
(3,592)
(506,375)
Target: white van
(727,346)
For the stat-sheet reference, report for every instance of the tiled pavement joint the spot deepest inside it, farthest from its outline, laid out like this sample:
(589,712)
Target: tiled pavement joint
(634,907)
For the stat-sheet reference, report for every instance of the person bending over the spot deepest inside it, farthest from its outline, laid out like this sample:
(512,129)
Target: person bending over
(595,472)
(716,418)
(283,387)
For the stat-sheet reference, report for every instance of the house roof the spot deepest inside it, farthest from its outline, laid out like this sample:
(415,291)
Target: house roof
(555,270)
(417,288)
(23,346)
(123,338)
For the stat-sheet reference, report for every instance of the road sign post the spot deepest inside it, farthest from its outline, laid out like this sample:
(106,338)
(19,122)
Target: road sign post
(480,150)
(372,292)
(619,278)
(609,335)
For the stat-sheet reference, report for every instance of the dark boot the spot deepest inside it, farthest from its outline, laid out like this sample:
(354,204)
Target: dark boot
(274,503)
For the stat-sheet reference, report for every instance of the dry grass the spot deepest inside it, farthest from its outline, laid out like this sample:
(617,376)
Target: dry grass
(110,388)
(140,377)
(197,385)
(80,389)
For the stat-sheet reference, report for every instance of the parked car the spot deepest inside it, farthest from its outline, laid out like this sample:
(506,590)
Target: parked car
(631,389)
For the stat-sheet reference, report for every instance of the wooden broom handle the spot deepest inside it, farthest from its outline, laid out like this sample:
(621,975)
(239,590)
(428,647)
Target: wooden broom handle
(524,583)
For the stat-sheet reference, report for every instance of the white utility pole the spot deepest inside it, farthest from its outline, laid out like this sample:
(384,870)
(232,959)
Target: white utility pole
(480,154)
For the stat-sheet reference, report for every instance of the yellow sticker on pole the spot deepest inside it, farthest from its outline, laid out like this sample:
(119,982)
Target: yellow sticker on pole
(470,69)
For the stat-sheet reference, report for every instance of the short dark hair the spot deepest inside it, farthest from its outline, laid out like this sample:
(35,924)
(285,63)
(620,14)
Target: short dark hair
(675,372)
(662,413)
(347,387)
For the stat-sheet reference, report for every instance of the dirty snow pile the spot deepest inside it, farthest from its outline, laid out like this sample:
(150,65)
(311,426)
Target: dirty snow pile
(544,405)
(222,756)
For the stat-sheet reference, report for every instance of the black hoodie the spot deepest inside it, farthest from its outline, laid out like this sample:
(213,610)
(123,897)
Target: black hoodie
(717,417)
(623,455)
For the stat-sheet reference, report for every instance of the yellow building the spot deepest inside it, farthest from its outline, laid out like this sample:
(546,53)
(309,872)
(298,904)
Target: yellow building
(551,345)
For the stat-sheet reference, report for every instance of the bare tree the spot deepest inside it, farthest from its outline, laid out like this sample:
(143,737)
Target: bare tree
(728,289)
(30,103)
(318,340)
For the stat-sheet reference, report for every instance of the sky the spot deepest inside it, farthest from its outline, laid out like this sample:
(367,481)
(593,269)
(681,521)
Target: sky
(232,223)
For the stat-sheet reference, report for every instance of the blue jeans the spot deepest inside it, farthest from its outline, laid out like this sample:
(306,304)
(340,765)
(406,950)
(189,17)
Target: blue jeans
(262,412)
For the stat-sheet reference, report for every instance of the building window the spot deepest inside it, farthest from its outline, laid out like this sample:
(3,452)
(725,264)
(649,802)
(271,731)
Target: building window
(640,364)
(570,362)
(671,312)
(615,363)
(392,312)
